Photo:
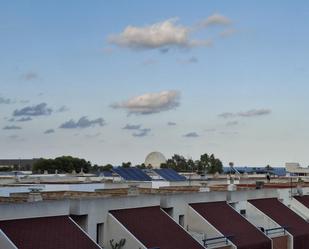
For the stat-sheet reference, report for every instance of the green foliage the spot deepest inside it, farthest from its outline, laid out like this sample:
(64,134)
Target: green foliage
(118,245)
(6,169)
(206,164)
(63,164)
(268,168)
(126,165)
(95,168)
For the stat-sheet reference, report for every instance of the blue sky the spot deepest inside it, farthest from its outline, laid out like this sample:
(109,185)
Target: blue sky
(113,80)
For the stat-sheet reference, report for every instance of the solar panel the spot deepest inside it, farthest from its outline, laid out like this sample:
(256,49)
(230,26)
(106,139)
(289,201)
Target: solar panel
(106,173)
(170,175)
(132,174)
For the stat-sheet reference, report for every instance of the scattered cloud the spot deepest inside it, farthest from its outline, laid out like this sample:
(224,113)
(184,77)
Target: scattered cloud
(162,35)
(12,127)
(49,131)
(191,60)
(36,110)
(227,115)
(216,20)
(254,112)
(138,131)
(23,119)
(191,134)
(171,123)
(29,76)
(150,103)
(229,132)
(131,127)
(141,132)
(232,123)
(62,109)
(6,101)
(227,32)
(246,114)
(83,122)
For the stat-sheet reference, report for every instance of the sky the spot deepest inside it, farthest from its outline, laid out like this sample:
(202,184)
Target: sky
(111,81)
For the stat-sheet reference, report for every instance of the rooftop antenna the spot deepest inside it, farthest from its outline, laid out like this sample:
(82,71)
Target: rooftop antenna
(231,164)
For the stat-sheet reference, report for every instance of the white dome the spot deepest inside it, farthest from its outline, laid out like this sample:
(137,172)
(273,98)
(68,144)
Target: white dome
(155,159)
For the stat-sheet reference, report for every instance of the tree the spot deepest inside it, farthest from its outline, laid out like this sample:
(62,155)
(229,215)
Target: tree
(63,164)
(210,164)
(268,168)
(126,165)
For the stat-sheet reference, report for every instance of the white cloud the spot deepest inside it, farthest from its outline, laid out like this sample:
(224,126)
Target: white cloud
(150,103)
(215,20)
(161,35)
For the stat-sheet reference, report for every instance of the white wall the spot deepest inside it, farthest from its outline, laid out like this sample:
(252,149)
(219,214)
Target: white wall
(115,230)
(5,242)
(9,211)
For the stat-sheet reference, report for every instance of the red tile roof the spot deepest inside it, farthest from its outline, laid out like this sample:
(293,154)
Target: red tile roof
(229,222)
(46,233)
(154,228)
(284,216)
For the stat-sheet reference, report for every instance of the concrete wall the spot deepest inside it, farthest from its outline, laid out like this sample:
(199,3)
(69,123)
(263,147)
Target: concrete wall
(9,211)
(179,202)
(97,209)
(5,242)
(116,231)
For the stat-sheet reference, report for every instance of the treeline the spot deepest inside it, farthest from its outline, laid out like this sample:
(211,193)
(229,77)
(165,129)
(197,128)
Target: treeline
(67,164)
(206,164)
(63,164)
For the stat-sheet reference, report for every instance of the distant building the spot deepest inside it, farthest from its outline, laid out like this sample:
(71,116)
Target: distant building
(296,169)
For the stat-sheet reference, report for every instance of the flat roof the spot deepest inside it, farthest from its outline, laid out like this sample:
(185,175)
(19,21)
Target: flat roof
(230,223)
(155,229)
(285,217)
